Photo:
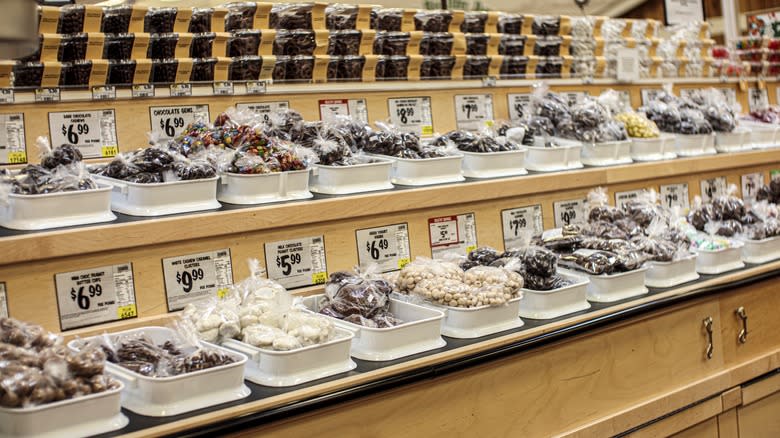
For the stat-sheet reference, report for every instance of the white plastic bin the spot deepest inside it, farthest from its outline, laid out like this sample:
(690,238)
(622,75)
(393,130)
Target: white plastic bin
(565,155)
(608,288)
(420,331)
(653,149)
(548,304)
(167,396)
(157,199)
(89,415)
(288,368)
(761,251)
(494,164)
(345,180)
(427,171)
(735,141)
(234,188)
(469,323)
(695,145)
(606,154)
(668,274)
(762,135)
(52,210)
(718,262)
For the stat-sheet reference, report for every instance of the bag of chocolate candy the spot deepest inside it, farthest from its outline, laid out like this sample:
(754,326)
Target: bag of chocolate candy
(550,105)
(361,298)
(717,111)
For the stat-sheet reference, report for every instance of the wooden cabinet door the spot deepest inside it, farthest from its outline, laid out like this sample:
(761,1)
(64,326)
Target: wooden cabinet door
(760,419)
(761,304)
(705,429)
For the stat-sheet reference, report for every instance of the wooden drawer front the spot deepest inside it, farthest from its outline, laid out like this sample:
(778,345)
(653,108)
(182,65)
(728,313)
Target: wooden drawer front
(761,304)
(760,419)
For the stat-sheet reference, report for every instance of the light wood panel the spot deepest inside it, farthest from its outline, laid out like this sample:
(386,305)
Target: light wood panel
(727,424)
(705,429)
(760,419)
(761,303)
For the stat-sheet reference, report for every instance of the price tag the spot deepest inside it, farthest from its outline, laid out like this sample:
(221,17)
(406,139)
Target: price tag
(3,301)
(142,90)
(712,187)
(758,99)
(47,95)
(517,222)
(12,140)
(223,88)
(192,277)
(627,64)
(170,121)
(625,98)
(750,185)
(452,233)
(264,109)
(90,131)
(575,97)
(519,105)
(649,94)
(386,246)
(95,296)
(331,108)
(104,92)
(181,90)
(731,95)
(569,212)
(256,87)
(622,198)
(7,95)
(676,195)
(297,262)
(412,114)
(473,112)
(774,174)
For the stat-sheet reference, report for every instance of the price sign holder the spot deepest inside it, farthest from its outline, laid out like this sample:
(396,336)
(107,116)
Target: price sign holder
(193,277)
(95,296)
(751,182)
(712,187)
(12,139)
(515,220)
(569,212)
(676,195)
(3,301)
(386,246)
(518,105)
(331,108)
(452,233)
(264,109)
(170,121)
(93,132)
(298,262)
(412,114)
(621,198)
(473,111)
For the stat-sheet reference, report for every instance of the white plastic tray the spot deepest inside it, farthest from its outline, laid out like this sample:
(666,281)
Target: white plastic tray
(566,155)
(548,304)
(695,145)
(718,262)
(606,154)
(288,368)
(735,141)
(52,210)
(344,180)
(615,287)
(653,149)
(167,396)
(762,135)
(475,322)
(159,199)
(235,188)
(761,251)
(494,164)
(668,274)
(426,171)
(78,417)
(421,331)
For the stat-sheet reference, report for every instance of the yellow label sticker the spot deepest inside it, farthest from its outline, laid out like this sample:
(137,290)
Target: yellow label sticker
(108,151)
(222,293)
(128,311)
(471,248)
(427,130)
(403,262)
(319,278)
(17,157)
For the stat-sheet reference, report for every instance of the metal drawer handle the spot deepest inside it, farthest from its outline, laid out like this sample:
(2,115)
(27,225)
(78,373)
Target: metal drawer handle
(742,314)
(708,328)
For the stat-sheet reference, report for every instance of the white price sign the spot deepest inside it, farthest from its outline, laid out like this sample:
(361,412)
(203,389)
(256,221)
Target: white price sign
(142,90)
(3,301)
(7,95)
(412,114)
(192,277)
(386,246)
(683,11)
(224,88)
(256,87)
(575,97)
(264,109)
(332,108)
(516,221)
(12,140)
(519,105)
(104,92)
(676,195)
(181,90)
(649,94)
(297,262)
(93,132)
(95,296)
(569,212)
(712,187)
(622,198)
(452,233)
(750,185)
(170,121)
(47,95)
(758,99)
(473,112)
